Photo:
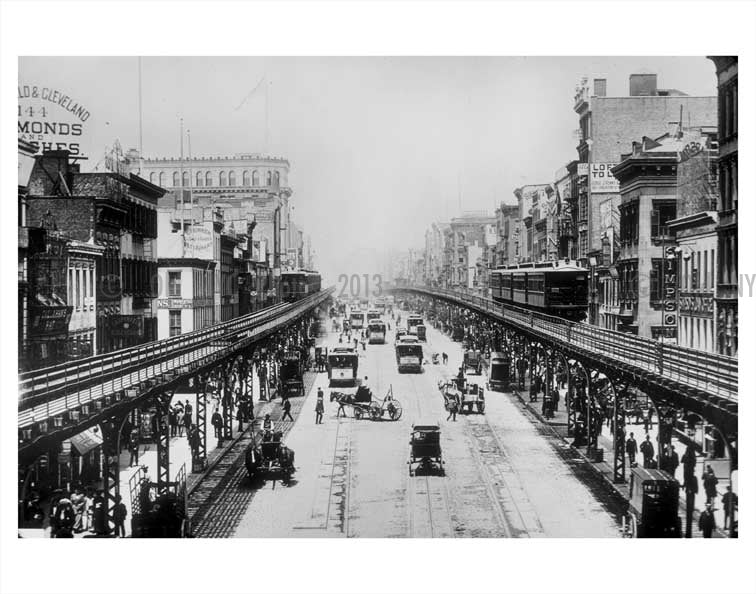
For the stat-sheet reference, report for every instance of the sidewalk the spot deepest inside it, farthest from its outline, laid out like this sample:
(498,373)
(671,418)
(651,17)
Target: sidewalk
(558,425)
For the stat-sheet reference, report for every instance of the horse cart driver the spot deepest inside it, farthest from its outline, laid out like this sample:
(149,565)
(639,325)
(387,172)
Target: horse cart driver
(267,427)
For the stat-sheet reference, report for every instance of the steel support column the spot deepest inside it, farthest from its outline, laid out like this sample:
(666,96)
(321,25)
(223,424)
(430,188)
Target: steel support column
(620,395)
(200,403)
(163,401)
(111,472)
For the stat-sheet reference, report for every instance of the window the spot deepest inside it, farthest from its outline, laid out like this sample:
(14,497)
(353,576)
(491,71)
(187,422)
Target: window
(152,177)
(255,179)
(174,283)
(199,179)
(660,216)
(277,178)
(245,178)
(185,179)
(656,292)
(268,179)
(222,178)
(174,322)
(231,178)
(208,179)
(175,179)
(161,179)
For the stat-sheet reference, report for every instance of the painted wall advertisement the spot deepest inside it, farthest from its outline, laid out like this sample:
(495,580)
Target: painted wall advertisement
(602,179)
(198,243)
(50,118)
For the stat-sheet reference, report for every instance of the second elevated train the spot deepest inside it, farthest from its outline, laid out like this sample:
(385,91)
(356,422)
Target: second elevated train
(557,289)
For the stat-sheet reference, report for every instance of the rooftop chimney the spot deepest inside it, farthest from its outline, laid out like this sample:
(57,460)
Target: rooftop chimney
(642,85)
(599,87)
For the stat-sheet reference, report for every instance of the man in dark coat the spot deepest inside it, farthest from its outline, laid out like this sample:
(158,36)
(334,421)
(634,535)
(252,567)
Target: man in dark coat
(631,447)
(706,522)
(710,484)
(647,449)
(217,422)
(286,410)
(730,503)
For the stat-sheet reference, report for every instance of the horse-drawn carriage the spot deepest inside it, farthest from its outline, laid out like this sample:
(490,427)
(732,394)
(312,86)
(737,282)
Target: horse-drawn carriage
(473,362)
(290,375)
(269,455)
(425,448)
(363,404)
(653,506)
(498,371)
(468,396)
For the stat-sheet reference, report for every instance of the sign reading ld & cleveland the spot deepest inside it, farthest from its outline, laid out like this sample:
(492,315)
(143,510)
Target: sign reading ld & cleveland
(50,119)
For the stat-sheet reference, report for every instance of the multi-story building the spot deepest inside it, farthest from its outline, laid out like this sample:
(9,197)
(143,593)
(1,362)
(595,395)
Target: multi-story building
(473,235)
(26,153)
(694,229)
(565,189)
(507,226)
(607,126)
(727,225)
(434,254)
(117,213)
(532,202)
(82,298)
(247,187)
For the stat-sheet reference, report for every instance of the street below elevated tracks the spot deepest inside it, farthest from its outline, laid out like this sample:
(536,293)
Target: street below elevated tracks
(506,475)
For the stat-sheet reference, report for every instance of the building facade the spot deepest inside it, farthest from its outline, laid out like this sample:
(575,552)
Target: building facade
(727,224)
(607,125)
(473,236)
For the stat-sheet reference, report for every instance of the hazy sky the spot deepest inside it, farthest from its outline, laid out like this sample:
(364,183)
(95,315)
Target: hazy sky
(376,145)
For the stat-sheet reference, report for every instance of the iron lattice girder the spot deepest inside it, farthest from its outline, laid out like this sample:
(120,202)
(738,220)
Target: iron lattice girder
(28,452)
(716,410)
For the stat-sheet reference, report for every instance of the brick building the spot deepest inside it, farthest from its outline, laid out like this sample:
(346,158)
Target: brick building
(507,229)
(116,213)
(727,225)
(473,240)
(607,126)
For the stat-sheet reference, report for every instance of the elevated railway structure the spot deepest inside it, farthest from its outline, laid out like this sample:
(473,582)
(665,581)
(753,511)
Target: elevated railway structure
(674,378)
(56,403)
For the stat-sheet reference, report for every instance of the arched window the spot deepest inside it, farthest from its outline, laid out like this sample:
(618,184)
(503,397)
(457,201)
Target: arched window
(152,177)
(268,179)
(231,178)
(222,178)
(255,179)
(208,179)
(277,176)
(185,180)
(175,179)
(161,179)
(245,178)
(199,179)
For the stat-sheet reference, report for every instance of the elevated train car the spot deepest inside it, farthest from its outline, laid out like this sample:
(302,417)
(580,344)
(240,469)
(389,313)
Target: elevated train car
(555,288)
(298,284)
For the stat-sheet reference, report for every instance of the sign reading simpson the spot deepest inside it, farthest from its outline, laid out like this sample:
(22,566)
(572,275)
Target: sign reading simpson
(602,179)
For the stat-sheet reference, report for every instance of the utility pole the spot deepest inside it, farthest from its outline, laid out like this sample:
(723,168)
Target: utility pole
(181,173)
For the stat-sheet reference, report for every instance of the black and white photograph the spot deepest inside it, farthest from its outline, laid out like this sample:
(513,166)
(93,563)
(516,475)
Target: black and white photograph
(313,295)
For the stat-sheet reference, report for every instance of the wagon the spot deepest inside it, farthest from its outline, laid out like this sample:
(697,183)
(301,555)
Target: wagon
(363,405)
(473,397)
(653,506)
(425,448)
(472,362)
(268,456)
(498,373)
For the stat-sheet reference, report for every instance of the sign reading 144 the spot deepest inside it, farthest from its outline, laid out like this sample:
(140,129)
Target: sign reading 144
(50,119)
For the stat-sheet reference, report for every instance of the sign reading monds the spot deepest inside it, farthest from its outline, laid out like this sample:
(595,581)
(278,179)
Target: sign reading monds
(50,119)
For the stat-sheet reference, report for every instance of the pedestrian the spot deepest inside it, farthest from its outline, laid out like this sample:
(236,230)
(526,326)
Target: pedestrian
(65,518)
(172,422)
(119,517)
(267,426)
(706,522)
(453,408)
(319,408)
(134,449)
(240,416)
(180,420)
(673,460)
(125,434)
(286,405)
(710,481)
(78,502)
(445,358)
(193,436)
(217,421)
(631,447)
(342,402)
(647,449)
(730,503)
(355,343)
(188,413)
(99,514)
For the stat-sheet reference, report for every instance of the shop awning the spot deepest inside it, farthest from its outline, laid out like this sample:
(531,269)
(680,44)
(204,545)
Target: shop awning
(86,441)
